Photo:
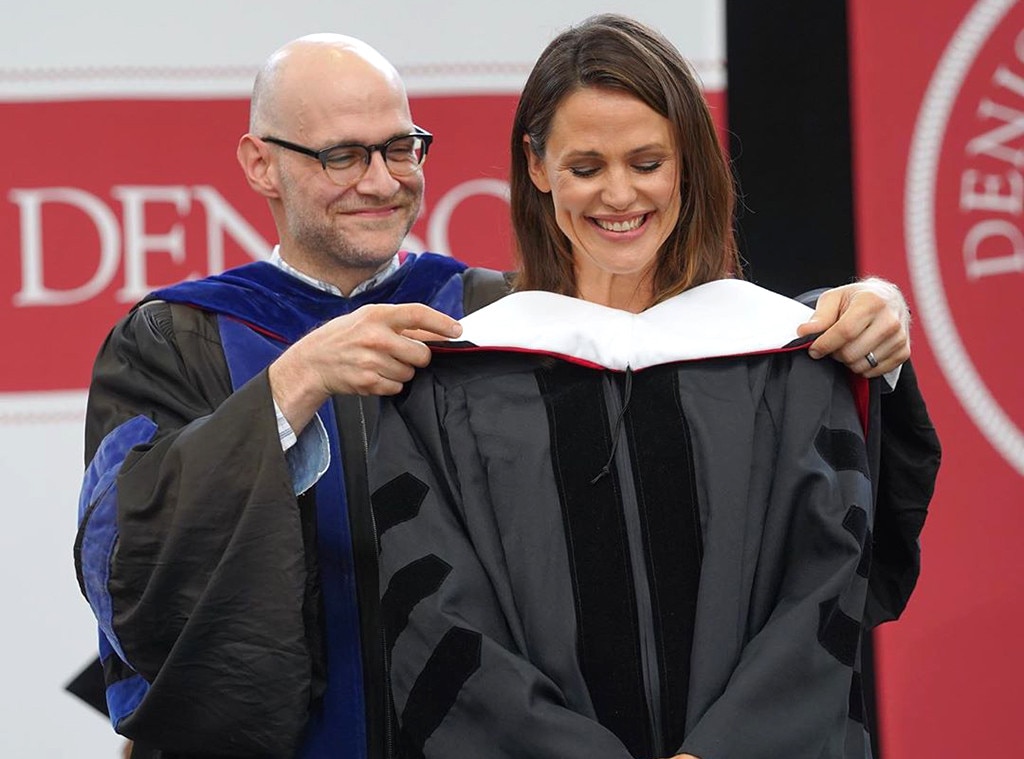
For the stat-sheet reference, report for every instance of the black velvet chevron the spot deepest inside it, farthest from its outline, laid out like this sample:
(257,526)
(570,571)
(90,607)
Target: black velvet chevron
(454,660)
(856,699)
(856,523)
(838,633)
(397,501)
(407,587)
(843,450)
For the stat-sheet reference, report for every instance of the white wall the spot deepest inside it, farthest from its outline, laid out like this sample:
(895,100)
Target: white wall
(124,46)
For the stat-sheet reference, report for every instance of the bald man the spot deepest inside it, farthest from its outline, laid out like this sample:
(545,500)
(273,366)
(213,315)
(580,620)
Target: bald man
(237,603)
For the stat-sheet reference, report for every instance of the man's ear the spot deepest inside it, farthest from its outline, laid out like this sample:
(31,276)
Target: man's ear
(538,172)
(254,158)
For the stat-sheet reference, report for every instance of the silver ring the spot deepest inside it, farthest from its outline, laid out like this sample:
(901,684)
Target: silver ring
(870,358)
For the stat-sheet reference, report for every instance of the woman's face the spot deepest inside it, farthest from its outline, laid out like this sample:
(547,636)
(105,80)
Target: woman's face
(612,171)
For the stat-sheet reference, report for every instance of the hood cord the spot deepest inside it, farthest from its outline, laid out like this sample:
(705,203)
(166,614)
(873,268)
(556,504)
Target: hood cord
(617,429)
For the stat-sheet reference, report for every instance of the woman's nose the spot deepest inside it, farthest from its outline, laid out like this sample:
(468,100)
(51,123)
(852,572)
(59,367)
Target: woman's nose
(618,191)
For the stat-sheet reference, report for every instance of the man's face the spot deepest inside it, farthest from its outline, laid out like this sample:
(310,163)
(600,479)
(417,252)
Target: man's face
(362,225)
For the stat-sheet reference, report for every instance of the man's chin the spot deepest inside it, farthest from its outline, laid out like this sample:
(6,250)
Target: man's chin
(368,255)
(377,244)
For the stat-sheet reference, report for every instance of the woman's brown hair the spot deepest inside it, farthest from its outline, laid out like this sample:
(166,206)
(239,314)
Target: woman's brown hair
(616,52)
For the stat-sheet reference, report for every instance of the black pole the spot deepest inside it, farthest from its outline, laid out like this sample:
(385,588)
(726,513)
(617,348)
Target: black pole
(789,121)
(788,107)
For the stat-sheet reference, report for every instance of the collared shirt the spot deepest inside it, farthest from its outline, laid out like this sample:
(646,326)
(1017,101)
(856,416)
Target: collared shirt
(383,273)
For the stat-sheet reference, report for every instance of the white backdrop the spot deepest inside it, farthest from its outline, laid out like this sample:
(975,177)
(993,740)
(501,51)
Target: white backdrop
(108,50)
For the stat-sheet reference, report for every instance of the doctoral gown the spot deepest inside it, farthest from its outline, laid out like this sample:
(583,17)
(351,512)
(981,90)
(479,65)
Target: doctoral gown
(628,538)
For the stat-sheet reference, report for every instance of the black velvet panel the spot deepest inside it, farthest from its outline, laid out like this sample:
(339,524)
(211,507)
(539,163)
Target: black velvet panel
(608,641)
(843,450)
(856,523)
(454,660)
(397,501)
(660,446)
(838,633)
(408,586)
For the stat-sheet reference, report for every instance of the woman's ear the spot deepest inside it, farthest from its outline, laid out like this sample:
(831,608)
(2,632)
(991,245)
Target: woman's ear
(538,171)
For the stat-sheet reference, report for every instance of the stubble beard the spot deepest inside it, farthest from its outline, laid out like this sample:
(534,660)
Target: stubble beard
(335,249)
(332,248)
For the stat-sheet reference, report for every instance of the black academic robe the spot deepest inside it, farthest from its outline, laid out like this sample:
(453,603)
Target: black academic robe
(581,561)
(236,617)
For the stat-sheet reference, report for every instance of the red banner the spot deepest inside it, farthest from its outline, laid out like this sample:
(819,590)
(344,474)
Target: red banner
(107,200)
(939,154)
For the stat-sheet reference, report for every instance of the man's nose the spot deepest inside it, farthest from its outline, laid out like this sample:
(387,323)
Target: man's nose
(377,179)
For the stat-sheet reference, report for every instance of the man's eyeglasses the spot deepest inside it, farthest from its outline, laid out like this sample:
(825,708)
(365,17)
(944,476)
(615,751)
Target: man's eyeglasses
(346,163)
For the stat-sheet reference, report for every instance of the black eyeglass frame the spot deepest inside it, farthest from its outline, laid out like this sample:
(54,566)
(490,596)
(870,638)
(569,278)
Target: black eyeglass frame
(382,147)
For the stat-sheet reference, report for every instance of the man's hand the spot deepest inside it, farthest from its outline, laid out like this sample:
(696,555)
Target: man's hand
(867,317)
(372,351)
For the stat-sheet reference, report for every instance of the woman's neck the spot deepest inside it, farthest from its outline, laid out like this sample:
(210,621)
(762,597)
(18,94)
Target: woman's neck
(624,293)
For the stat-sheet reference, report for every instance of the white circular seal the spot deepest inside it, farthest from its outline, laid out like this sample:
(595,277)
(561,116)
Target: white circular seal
(933,304)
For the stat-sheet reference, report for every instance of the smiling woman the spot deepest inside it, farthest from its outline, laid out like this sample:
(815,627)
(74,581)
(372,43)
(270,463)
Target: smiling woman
(611,534)
(611,168)
(616,162)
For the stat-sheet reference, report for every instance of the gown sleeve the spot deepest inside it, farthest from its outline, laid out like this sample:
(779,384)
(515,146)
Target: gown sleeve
(909,465)
(193,551)
(462,684)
